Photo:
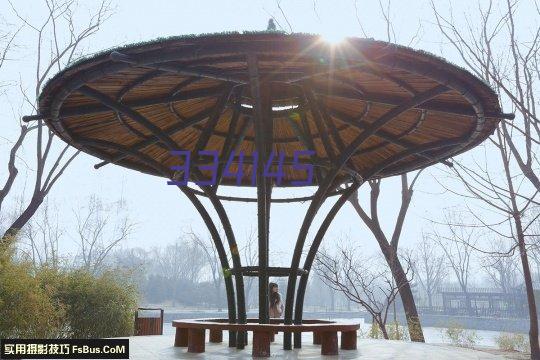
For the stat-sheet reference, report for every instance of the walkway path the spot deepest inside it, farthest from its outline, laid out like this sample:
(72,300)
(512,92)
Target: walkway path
(160,347)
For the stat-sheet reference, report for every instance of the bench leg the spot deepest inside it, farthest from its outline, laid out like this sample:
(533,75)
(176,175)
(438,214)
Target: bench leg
(261,343)
(232,338)
(348,340)
(272,337)
(241,339)
(329,343)
(196,340)
(297,340)
(181,337)
(216,336)
(316,338)
(287,341)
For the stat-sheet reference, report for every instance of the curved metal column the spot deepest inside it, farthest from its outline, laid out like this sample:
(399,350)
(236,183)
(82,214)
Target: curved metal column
(229,287)
(327,184)
(171,145)
(298,309)
(237,263)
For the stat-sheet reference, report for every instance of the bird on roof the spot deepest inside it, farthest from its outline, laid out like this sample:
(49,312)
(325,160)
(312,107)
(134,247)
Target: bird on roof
(271,25)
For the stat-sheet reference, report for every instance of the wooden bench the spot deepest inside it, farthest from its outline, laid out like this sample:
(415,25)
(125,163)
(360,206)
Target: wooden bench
(192,333)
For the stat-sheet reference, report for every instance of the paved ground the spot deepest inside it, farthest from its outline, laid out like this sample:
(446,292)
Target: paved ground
(160,347)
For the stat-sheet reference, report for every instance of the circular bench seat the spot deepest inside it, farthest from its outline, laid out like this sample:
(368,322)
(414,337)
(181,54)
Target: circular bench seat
(191,333)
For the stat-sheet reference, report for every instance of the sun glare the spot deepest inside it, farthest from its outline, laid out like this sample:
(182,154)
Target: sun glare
(274,108)
(333,37)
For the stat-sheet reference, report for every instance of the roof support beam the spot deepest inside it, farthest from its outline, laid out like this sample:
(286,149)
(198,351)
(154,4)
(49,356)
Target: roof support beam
(380,133)
(317,118)
(262,108)
(230,145)
(119,57)
(412,128)
(131,85)
(151,140)
(211,123)
(216,91)
(451,109)
(317,104)
(276,201)
(307,141)
(159,100)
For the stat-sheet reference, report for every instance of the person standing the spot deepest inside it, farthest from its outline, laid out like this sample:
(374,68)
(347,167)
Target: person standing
(275,305)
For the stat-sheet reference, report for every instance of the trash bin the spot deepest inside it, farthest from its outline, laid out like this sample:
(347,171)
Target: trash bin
(149,321)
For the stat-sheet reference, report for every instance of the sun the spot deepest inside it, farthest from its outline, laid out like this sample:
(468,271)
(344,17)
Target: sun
(333,36)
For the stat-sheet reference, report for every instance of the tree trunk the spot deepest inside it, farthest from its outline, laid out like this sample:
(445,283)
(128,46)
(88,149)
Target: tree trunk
(11,233)
(382,326)
(411,314)
(468,304)
(219,299)
(533,316)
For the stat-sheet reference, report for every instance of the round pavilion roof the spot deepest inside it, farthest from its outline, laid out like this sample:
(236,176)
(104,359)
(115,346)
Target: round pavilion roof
(399,108)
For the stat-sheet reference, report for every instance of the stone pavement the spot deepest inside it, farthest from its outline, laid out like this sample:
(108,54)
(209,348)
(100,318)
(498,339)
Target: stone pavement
(160,347)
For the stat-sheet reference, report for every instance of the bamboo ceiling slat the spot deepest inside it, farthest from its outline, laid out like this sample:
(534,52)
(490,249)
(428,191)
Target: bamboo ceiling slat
(365,81)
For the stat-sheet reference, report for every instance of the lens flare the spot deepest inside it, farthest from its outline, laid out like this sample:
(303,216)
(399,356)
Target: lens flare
(333,37)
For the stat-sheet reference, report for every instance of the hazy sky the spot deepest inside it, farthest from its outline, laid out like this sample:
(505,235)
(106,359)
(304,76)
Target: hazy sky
(161,211)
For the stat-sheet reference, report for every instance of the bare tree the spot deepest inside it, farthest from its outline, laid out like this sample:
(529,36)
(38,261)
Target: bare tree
(182,261)
(492,47)
(53,50)
(429,267)
(98,233)
(319,294)
(535,257)
(513,209)
(534,251)
(7,43)
(41,235)
(132,264)
(458,244)
(507,58)
(356,277)
(502,270)
(250,255)
(389,245)
(212,260)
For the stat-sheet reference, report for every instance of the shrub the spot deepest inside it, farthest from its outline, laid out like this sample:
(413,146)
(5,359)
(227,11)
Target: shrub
(397,332)
(459,336)
(26,308)
(375,331)
(393,329)
(48,303)
(512,342)
(98,306)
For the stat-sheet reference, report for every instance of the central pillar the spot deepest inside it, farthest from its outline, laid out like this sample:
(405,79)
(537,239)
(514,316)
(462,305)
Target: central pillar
(262,120)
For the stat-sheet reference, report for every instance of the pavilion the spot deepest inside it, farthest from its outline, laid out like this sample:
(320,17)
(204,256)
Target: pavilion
(268,110)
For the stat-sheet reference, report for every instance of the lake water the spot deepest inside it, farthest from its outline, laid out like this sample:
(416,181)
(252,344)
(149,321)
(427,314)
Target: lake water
(435,335)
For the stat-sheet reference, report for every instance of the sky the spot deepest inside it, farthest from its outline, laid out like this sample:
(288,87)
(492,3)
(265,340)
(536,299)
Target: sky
(161,212)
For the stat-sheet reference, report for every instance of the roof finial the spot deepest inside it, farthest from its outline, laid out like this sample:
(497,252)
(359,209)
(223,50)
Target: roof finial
(271,26)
